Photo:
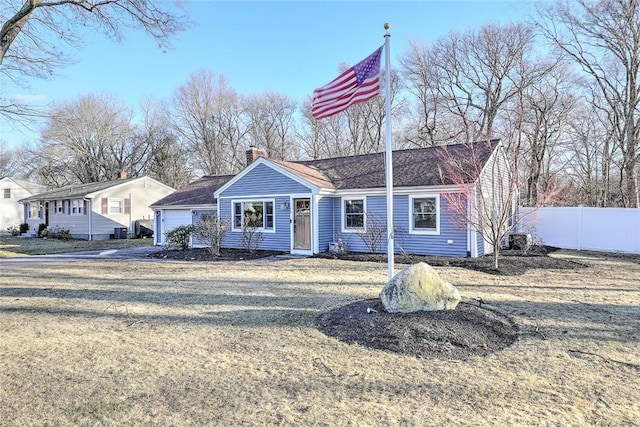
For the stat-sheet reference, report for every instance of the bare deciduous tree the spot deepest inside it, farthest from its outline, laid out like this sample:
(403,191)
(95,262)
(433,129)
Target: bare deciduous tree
(90,139)
(270,116)
(207,119)
(32,33)
(486,195)
(603,39)
(168,159)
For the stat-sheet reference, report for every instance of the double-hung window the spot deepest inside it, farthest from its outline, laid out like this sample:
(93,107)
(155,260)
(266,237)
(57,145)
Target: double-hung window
(353,214)
(425,214)
(256,214)
(116,206)
(76,207)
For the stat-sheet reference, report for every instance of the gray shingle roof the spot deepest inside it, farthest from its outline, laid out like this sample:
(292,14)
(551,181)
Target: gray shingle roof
(198,192)
(411,168)
(77,190)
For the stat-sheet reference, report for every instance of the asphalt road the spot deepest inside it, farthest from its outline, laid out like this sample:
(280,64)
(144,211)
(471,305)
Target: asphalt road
(122,254)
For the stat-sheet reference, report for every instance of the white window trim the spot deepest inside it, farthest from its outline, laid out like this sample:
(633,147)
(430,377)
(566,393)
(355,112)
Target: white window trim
(80,205)
(432,232)
(59,207)
(38,211)
(260,229)
(343,215)
(121,200)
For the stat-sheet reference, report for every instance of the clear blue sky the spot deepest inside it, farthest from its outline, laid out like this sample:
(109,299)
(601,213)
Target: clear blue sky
(288,47)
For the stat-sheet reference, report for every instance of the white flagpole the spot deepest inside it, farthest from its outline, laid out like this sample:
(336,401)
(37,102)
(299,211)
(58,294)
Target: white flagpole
(388,154)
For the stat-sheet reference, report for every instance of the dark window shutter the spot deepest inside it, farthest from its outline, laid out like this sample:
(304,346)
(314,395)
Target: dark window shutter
(86,206)
(127,206)
(105,206)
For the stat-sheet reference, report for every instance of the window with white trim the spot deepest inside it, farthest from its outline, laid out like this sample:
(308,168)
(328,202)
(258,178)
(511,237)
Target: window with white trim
(76,207)
(59,206)
(353,214)
(7,193)
(116,206)
(253,213)
(33,210)
(424,214)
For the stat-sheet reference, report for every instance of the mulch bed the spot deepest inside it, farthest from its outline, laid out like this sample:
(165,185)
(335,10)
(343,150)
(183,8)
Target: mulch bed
(511,262)
(202,254)
(458,334)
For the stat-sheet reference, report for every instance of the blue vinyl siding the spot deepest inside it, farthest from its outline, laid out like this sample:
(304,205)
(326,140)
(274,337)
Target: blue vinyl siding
(431,244)
(264,180)
(404,242)
(278,241)
(196,216)
(325,222)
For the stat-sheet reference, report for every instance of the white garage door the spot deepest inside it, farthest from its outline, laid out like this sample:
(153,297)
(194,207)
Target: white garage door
(172,219)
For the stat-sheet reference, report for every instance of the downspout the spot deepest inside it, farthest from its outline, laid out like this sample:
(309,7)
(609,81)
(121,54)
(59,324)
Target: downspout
(90,214)
(130,209)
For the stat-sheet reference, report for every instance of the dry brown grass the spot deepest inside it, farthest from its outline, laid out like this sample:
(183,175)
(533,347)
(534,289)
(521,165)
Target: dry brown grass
(150,343)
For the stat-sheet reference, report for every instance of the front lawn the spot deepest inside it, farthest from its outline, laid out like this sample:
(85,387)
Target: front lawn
(11,246)
(149,342)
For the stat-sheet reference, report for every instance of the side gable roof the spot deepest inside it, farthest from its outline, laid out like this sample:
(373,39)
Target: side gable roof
(198,192)
(418,167)
(84,190)
(29,186)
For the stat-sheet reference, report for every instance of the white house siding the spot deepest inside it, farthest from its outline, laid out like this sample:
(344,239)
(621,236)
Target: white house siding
(77,224)
(12,212)
(141,192)
(495,184)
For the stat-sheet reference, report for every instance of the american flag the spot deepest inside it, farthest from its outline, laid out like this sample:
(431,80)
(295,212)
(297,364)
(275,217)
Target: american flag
(358,84)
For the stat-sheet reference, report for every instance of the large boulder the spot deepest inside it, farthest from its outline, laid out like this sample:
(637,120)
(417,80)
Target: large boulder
(418,287)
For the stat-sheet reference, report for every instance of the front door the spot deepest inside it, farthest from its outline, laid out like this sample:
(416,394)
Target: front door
(302,224)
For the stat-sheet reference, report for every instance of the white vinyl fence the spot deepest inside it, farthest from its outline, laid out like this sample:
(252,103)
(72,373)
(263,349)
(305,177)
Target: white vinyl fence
(582,228)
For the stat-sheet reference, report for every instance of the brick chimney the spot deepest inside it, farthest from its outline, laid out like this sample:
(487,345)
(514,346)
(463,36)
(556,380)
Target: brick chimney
(122,175)
(253,153)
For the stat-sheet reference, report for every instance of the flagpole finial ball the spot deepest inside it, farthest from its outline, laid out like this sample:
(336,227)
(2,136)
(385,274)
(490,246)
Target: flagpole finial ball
(387,26)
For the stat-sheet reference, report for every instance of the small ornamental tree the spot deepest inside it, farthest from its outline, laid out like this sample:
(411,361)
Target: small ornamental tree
(211,230)
(179,237)
(251,238)
(375,231)
(487,192)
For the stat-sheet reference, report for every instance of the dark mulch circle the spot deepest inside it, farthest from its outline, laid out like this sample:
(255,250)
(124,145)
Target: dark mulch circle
(457,334)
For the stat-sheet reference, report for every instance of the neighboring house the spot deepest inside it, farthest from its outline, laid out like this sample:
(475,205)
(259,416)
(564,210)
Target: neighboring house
(186,206)
(303,207)
(96,211)
(11,191)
